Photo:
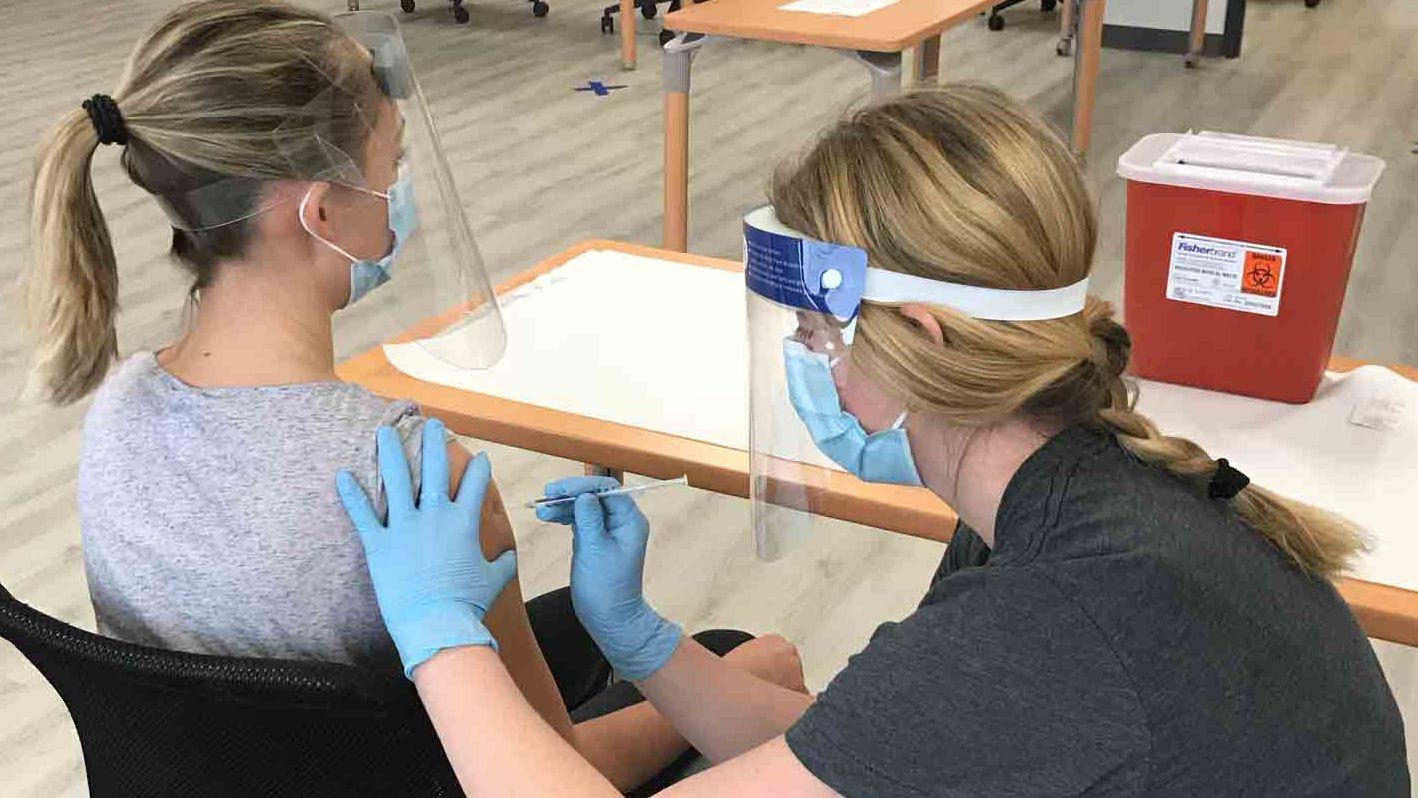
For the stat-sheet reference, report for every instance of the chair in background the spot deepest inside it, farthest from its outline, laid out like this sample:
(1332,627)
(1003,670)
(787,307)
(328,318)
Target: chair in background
(648,10)
(164,724)
(1068,20)
(996,21)
(539,8)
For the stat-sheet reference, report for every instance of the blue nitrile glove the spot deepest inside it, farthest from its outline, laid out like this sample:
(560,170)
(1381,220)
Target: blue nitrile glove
(609,536)
(433,584)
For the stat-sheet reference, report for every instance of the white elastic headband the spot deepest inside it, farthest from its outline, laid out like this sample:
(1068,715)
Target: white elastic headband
(987,304)
(990,304)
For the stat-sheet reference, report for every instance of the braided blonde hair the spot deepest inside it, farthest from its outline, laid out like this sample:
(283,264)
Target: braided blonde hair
(962,184)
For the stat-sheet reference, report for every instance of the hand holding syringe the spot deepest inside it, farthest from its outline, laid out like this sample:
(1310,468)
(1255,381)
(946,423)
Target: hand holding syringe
(550,501)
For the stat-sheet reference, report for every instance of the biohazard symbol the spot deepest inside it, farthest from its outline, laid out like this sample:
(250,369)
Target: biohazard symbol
(1262,273)
(1261,276)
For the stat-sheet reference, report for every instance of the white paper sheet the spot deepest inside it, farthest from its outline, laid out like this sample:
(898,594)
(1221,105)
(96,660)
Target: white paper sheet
(647,343)
(846,8)
(661,346)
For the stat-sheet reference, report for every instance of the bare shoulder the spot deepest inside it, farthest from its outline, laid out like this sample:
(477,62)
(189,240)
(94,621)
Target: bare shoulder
(496,526)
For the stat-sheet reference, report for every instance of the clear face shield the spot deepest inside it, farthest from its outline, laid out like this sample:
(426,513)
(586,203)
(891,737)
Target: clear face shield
(375,145)
(806,449)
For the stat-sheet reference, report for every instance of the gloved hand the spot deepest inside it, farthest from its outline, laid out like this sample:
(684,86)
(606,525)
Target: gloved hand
(609,536)
(433,584)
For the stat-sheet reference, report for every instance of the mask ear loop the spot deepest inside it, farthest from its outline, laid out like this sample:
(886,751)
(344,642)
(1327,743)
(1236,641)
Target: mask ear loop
(848,333)
(304,201)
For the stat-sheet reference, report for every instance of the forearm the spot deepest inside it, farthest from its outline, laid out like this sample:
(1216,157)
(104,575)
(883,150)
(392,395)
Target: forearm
(498,745)
(523,659)
(723,711)
(629,746)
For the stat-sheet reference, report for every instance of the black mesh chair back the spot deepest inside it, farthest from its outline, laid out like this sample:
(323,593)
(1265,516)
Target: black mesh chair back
(163,724)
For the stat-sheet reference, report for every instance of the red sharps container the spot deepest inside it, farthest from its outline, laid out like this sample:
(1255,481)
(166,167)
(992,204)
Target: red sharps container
(1238,256)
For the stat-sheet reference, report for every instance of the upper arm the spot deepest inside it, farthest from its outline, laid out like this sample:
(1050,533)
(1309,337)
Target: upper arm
(768,771)
(496,527)
(507,618)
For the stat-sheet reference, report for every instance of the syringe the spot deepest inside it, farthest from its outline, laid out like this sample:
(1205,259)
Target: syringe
(549,501)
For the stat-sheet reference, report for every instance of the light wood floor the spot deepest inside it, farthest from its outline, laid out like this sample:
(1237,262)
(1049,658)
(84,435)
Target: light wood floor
(541,167)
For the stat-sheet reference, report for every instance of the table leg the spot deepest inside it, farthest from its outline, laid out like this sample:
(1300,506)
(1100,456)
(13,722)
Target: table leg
(927,62)
(627,33)
(884,68)
(1196,42)
(603,471)
(1085,71)
(1067,20)
(679,56)
(676,171)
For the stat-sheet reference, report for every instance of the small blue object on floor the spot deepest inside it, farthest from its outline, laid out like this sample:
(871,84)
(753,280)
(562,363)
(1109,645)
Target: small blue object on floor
(598,87)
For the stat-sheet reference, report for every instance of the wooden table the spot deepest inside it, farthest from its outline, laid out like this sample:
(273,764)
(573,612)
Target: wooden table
(877,38)
(1386,612)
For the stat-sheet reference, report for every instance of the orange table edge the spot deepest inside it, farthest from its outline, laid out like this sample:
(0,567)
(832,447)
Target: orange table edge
(1386,612)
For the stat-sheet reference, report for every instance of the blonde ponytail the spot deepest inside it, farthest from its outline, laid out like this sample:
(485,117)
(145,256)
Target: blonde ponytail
(962,184)
(71,281)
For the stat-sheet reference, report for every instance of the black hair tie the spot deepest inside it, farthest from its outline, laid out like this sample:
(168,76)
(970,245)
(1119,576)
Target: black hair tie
(108,121)
(1226,482)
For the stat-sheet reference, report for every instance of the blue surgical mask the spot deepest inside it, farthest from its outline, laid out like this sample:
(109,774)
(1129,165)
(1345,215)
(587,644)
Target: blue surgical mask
(879,457)
(367,275)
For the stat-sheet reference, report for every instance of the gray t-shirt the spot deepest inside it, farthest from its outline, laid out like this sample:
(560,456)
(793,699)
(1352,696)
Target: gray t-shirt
(1127,636)
(211,522)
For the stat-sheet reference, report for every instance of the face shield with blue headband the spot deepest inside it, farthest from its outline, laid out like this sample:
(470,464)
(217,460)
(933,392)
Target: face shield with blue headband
(369,134)
(804,298)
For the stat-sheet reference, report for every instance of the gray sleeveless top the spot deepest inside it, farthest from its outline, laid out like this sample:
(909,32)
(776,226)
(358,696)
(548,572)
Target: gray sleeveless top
(211,522)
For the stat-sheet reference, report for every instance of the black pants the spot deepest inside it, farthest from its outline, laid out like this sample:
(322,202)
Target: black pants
(584,677)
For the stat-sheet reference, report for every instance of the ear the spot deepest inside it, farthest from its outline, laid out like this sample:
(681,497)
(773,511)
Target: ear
(312,208)
(925,321)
